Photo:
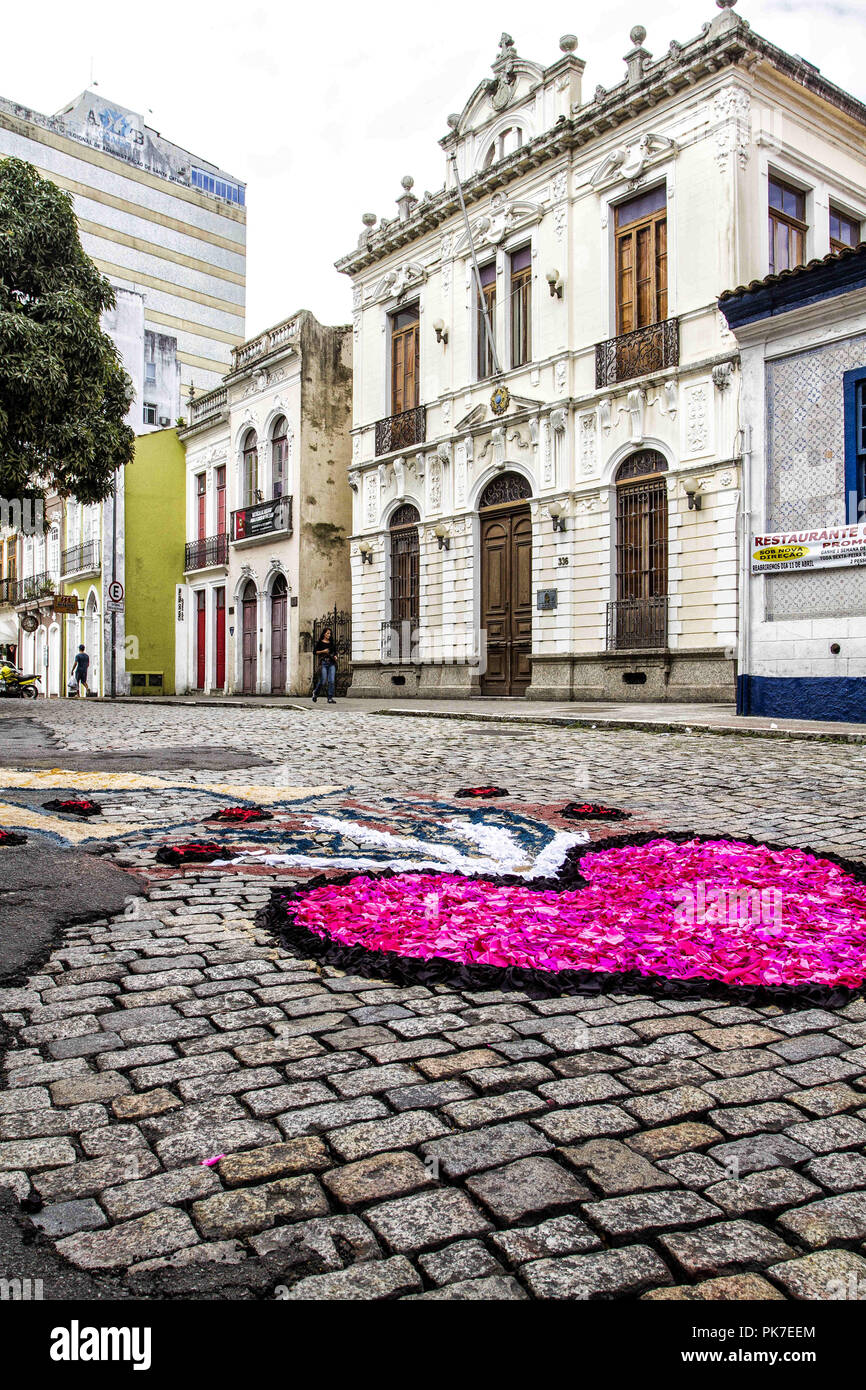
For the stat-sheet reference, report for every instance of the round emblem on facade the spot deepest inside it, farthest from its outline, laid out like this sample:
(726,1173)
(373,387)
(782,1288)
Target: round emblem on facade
(500,400)
(29,622)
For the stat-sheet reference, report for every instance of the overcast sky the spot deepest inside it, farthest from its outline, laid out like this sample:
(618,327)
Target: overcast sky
(322,107)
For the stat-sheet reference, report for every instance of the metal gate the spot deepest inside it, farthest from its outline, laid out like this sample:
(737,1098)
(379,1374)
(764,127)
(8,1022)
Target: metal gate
(341,623)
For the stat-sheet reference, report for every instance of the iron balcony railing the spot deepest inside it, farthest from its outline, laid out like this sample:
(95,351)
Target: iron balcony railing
(35,586)
(398,642)
(636,354)
(262,519)
(206,554)
(637,624)
(80,559)
(401,431)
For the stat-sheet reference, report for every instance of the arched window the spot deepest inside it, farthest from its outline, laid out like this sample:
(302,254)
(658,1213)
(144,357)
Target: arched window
(250,487)
(505,487)
(405,565)
(505,144)
(279,458)
(642,550)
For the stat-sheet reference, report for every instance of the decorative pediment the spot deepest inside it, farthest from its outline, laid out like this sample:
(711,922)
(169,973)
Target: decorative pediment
(513,80)
(395,283)
(629,162)
(505,215)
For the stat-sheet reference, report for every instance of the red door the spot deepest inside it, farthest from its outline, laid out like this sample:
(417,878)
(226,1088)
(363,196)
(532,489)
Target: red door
(200,638)
(250,639)
(201,495)
(220,648)
(221,501)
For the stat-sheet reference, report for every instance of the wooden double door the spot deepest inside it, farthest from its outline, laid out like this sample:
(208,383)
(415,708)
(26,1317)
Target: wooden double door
(506,599)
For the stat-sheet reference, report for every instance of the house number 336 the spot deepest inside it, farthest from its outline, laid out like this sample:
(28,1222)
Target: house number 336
(561,560)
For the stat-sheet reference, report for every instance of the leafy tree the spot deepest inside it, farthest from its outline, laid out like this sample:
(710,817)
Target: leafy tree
(63,391)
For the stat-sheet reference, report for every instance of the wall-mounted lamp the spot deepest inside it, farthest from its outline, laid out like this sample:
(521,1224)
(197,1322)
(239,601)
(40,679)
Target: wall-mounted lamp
(440,330)
(366,551)
(693,492)
(443,535)
(556,515)
(556,283)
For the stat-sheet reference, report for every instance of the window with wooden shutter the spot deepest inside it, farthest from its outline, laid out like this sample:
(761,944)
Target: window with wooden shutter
(788,226)
(404,360)
(486,362)
(844,230)
(521,306)
(220,481)
(251,469)
(279,457)
(642,261)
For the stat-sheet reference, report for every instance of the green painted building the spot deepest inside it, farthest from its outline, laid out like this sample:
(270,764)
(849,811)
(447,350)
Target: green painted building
(154,534)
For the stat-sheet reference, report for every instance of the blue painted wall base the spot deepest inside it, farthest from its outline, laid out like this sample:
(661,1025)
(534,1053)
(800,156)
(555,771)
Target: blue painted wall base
(803,697)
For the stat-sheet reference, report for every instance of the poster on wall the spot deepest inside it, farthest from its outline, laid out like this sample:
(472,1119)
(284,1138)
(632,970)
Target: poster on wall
(787,552)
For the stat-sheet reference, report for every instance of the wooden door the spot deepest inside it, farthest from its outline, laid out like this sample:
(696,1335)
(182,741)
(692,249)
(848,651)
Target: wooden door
(220,640)
(250,641)
(200,638)
(506,600)
(404,361)
(279,613)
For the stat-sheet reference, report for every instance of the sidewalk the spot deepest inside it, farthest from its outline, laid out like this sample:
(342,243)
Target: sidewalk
(663,718)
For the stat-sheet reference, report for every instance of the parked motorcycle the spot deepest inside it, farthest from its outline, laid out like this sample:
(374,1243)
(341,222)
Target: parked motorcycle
(15,685)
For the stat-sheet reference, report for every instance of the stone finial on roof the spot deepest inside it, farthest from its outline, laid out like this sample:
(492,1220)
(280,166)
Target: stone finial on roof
(638,58)
(407,201)
(568,43)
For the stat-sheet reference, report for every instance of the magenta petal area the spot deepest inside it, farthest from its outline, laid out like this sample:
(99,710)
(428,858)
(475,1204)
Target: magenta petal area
(693,915)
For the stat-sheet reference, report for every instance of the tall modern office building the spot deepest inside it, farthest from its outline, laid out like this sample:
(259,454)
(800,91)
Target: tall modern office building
(157,220)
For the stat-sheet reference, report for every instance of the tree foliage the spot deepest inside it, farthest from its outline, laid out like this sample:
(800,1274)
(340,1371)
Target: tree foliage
(63,391)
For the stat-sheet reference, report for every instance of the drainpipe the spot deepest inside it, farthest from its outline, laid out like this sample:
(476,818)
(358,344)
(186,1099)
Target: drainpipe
(113,578)
(744,652)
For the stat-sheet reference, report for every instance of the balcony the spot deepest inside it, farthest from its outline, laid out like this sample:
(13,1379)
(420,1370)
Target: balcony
(208,407)
(401,431)
(398,642)
(647,350)
(262,519)
(32,589)
(637,624)
(80,559)
(206,554)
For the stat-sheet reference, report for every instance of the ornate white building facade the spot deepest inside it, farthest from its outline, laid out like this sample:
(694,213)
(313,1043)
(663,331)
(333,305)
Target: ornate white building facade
(555,513)
(268,512)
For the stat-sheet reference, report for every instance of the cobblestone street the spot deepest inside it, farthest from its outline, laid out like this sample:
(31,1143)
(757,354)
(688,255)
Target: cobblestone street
(377,1141)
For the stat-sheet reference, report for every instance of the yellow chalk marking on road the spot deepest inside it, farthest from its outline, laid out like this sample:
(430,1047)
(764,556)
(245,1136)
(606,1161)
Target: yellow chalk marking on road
(11,778)
(26,819)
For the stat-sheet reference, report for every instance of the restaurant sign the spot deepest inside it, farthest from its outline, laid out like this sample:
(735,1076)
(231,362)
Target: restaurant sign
(789,551)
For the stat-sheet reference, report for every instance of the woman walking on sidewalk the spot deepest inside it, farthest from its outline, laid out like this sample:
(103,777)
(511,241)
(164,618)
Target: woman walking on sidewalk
(326,661)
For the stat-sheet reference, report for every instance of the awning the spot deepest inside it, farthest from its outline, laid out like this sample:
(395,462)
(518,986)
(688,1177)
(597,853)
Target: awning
(8,629)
